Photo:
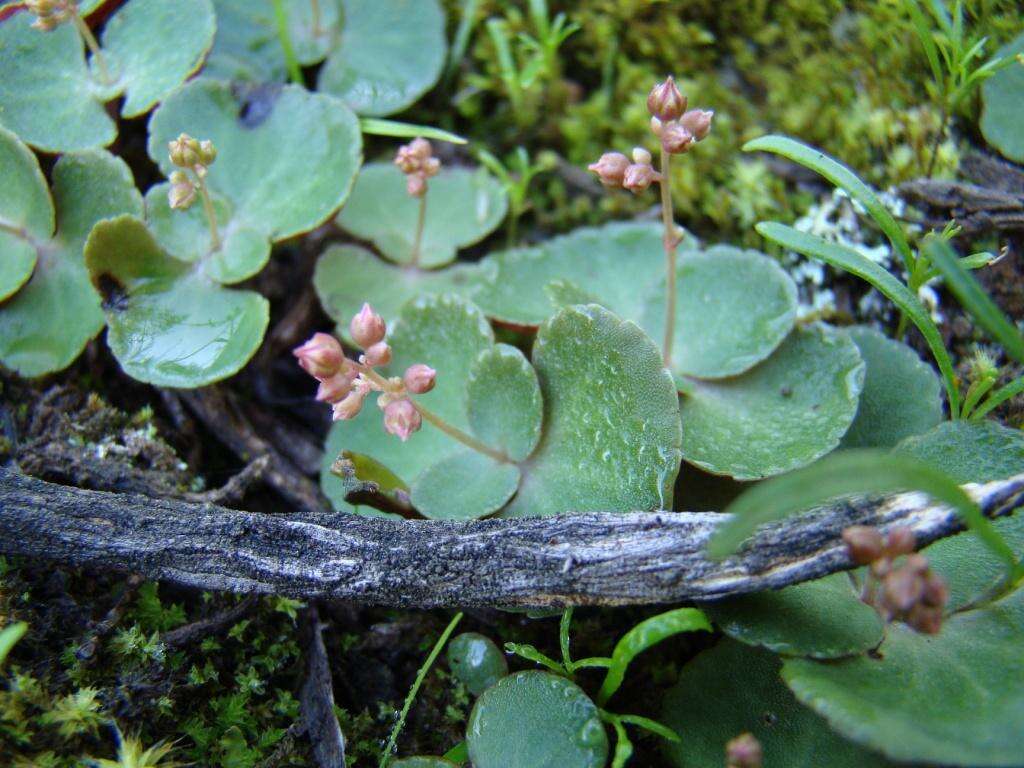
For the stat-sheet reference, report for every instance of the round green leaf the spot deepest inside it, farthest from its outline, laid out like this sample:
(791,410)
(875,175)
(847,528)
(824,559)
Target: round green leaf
(476,661)
(448,334)
(26,213)
(463,207)
(46,93)
(152,46)
(48,322)
(956,698)
(535,720)
(902,395)
(390,54)
(286,158)
(611,432)
(243,252)
(1002,96)
(248,47)
(784,413)
(504,403)
(823,619)
(464,486)
(733,309)
(168,325)
(348,275)
(733,689)
(423,762)
(616,264)
(969,451)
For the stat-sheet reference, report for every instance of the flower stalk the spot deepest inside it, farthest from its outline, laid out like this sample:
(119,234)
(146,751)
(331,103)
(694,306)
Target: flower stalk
(194,158)
(50,14)
(416,160)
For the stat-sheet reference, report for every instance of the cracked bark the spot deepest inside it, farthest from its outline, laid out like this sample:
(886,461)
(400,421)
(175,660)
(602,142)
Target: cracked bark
(583,559)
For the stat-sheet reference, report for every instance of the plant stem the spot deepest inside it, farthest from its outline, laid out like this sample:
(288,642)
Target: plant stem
(211,216)
(90,41)
(317,20)
(937,141)
(15,230)
(670,240)
(291,63)
(457,434)
(421,219)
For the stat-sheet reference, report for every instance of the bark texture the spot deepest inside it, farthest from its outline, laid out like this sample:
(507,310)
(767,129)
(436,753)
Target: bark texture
(583,559)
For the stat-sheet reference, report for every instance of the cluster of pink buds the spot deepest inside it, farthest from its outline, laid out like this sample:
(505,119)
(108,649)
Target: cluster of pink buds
(901,585)
(416,160)
(676,128)
(744,751)
(345,383)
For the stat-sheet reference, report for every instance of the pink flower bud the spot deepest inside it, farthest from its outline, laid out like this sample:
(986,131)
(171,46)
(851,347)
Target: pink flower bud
(419,378)
(697,122)
(415,156)
(378,354)
(431,166)
(639,177)
(350,406)
(321,356)
(610,168)
(402,419)
(641,156)
(665,102)
(416,185)
(675,139)
(656,126)
(334,389)
(367,327)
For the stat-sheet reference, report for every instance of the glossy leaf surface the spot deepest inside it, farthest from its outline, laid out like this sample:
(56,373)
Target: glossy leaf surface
(969,452)
(476,661)
(26,213)
(503,403)
(464,486)
(1002,95)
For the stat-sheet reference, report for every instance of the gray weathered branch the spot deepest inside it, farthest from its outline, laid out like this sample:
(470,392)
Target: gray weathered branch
(585,559)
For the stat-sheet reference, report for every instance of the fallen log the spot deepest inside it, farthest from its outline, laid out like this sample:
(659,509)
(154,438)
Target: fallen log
(578,559)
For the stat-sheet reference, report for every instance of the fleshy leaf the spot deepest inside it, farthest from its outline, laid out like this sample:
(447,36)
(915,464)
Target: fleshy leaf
(348,275)
(902,395)
(48,322)
(1002,95)
(51,98)
(446,333)
(784,413)
(504,403)
(823,619)
(617,263)
(46,92)
(464,486)
(476,661)
(733,689)
(611,435)
(286,159)
(956,698)
(420,761)
(463,207)
(535,720)
(969,451)
(153,46)
(169,326)
(733,309)
(247,46)
(389,55)
(26,213)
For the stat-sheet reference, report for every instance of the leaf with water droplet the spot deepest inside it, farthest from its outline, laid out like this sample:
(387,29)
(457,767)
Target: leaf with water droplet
(504,402)
(169,325)
(735,688)
(902,395)
(463,207)
(783,414)
(535,720)
(969,451)
(823,619)
(476,661)
(464,486)
(26,213)
(388,56)
(1002,95)
(46,324)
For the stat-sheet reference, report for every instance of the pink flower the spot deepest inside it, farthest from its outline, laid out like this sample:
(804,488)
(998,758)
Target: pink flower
(334,389)
(367,327)
(402,419)
(665,102)
(697,122)
(416,184)
(378,354)
(676,139)
(639,177)
(321,356)
(610,168)
(419,378)
(350,406)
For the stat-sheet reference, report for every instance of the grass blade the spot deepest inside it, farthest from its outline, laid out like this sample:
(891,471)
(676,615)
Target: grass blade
(842,177)
(850,473)
(10,635)
(973,298)
(850,261)
(999,397)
